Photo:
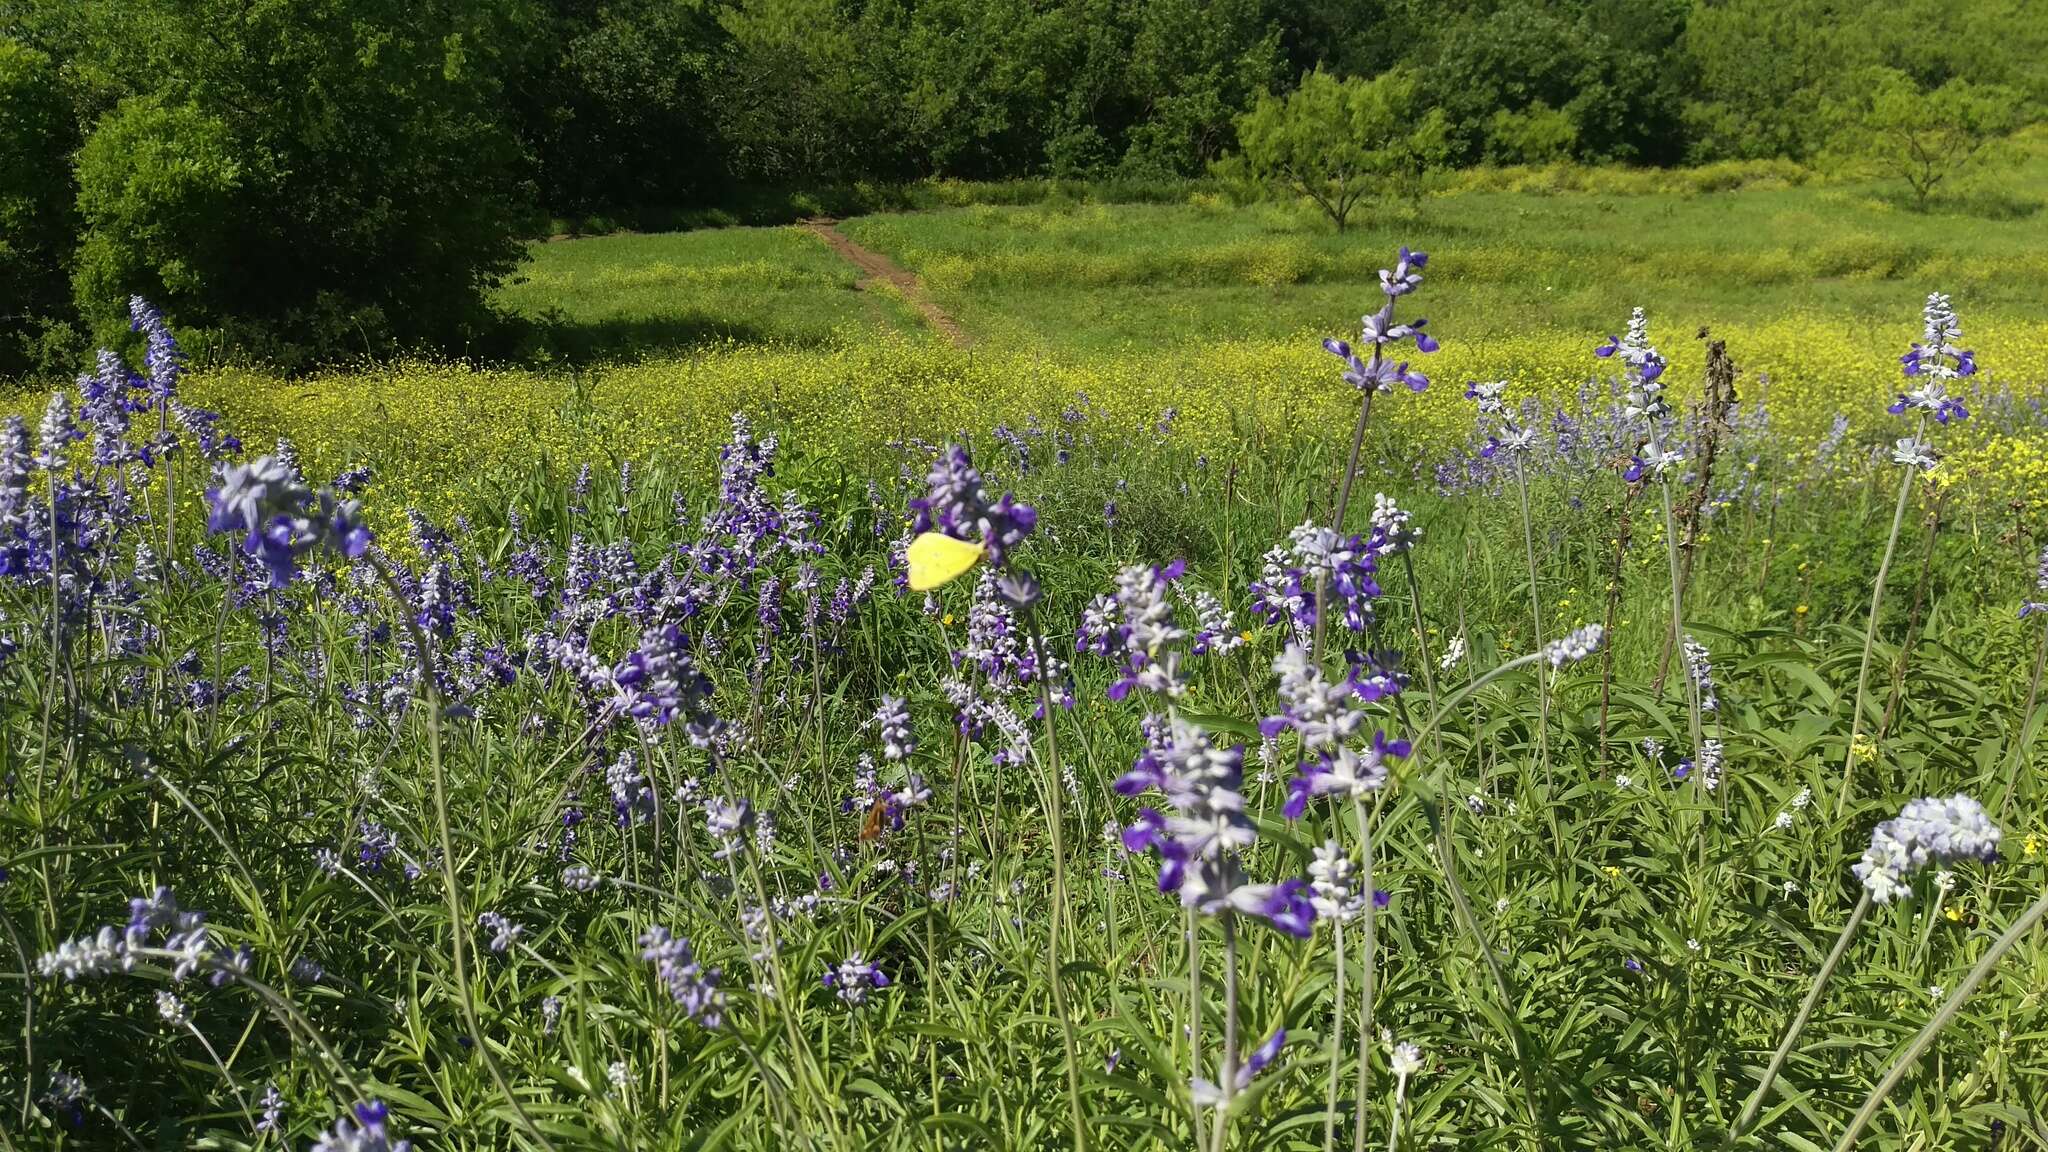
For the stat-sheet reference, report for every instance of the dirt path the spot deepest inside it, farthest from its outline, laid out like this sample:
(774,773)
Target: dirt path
(875,266)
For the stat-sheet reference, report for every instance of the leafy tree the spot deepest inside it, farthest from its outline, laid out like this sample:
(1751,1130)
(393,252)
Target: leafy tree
(1336,141)
(797,96)
(1761,68)
(1537,134)
(36,226)
(1194,67)
(160,192)
(1925,136)
(613,101)
(352,177)
(1599,62)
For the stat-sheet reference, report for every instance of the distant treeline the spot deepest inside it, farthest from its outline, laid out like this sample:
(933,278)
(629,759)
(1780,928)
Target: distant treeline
(306,178)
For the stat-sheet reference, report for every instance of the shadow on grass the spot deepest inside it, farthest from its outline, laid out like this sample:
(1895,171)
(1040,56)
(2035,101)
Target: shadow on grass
(553,337)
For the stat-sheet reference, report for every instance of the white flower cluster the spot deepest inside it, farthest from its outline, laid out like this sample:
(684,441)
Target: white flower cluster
(1333,883)
(1452,654)
(1927,831)
(1575,647)
(1915,453)
(1393,529)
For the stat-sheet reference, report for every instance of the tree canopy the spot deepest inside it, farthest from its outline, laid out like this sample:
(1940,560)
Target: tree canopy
(308,178)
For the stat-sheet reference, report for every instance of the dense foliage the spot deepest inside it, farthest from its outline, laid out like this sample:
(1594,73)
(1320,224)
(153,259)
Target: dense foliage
(813,795)
(305,178)
(36,232)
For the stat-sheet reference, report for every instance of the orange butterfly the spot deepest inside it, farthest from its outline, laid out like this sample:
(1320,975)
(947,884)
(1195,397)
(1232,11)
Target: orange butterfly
(871,828)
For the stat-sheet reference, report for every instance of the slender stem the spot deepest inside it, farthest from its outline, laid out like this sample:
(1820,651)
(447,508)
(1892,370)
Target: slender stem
(1884,568)
(458,927)
(1229,1086)
(163,429)
(1536,622)
(1949,1008)
(1195,1014)
(293,1018)
(2019,738)
(234,1086)
(1368,970)
(1676,638)
(1053,785)
(235,857)
(1820,980)
(56,669)
(1394,1114)
(1336,1046)
(1422,639)
(28,1019)
(1343,506)
(1439,818)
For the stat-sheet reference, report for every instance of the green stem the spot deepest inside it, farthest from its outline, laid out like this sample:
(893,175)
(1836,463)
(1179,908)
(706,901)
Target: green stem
(2019,737)
(1439,819)
(1422,639)
(458,926)
(1368,961)
(1343,506)
(1336,1046)
(28,1019)
(1228,1087)
(1053,786)
(1820,980)
(1536,622)
(1949,1008)
(1677,636)
(1884,568)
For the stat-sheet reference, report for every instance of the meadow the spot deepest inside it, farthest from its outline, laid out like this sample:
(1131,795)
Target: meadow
(754,722)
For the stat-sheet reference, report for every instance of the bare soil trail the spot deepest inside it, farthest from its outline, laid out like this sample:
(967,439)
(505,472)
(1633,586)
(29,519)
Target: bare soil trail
(875,266)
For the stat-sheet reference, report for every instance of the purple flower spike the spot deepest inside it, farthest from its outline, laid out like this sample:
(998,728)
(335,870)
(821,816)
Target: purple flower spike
(365,1129)
(1379,329)
(1285,906)
(1406,274)
(1148,833)
(854,978)
(1260,1057)
(1424,342)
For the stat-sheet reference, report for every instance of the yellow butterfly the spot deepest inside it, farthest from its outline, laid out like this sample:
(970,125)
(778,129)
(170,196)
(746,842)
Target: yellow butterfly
(936,559)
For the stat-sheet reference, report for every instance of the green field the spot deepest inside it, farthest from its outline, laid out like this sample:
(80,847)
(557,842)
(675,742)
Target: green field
(630,296)
(617,795)
(1089,278)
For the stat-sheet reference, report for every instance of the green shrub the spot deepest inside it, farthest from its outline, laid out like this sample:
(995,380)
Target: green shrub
(309,180)
(159,194)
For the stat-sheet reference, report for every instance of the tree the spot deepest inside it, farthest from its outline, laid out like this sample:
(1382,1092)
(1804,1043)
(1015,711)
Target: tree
(159,189)
(1336,141)
(796,96)
(1600,63)
(1926,136)
(311,179)
(36,225)
(613,102)
(1194,67)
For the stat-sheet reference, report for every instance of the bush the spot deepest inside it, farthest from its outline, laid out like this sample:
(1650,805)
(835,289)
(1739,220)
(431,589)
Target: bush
(310,180)
(159,194)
